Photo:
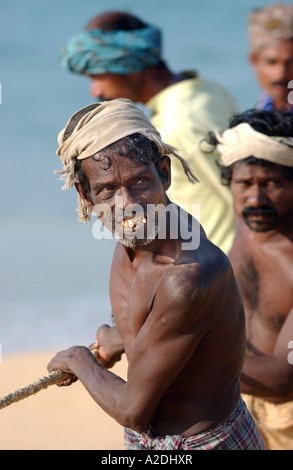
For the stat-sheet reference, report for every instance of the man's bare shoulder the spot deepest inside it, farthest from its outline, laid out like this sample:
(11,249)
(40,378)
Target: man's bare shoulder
(197,273)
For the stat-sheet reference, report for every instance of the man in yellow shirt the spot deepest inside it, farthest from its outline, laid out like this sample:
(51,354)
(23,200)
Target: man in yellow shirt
(122,56)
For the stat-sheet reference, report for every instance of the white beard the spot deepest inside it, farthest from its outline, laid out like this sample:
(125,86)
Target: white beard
(141,240)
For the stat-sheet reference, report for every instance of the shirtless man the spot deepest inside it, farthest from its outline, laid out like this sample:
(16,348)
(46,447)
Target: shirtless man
(178,311)
(262,258)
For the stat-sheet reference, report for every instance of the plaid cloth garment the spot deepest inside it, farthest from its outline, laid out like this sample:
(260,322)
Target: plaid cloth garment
(238,432)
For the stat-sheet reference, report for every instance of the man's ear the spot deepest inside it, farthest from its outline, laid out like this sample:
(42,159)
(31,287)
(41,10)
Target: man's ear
(166,172)
(253,59)
(80,191)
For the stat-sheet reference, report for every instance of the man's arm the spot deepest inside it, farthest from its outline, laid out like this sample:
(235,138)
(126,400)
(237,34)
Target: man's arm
(271,377)
(109,346)
(163,346)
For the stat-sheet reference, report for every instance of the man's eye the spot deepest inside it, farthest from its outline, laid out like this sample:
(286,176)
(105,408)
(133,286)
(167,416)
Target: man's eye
(243,183)
(142,180)
(271,61)
(106,193)
(273,184)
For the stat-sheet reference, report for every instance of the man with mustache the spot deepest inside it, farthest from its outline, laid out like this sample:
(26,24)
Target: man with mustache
(271,54)
(257,158)
(176,310)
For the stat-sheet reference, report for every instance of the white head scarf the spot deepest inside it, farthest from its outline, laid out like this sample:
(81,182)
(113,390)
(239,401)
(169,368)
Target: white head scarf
(243,141)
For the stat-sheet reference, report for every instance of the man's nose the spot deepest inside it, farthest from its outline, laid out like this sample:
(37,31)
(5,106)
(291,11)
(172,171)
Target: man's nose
(281,73)
(257,197)
(128,197)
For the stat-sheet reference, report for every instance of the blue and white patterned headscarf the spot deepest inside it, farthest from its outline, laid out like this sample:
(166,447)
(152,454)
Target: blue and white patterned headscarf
(119,52)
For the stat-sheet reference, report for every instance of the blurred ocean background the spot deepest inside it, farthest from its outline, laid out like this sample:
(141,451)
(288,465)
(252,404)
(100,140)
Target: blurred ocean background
(54,273)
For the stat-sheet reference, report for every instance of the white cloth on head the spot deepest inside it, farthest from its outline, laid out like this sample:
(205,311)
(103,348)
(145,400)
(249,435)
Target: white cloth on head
(243,141)
(98,125)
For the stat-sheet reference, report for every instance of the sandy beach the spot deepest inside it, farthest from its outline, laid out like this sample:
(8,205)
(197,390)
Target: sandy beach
(58,418)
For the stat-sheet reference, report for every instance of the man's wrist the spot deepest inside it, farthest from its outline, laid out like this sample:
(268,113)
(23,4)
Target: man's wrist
(77,356)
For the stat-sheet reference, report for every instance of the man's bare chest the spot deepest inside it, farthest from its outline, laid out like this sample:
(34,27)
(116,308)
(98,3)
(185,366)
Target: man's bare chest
(266,284)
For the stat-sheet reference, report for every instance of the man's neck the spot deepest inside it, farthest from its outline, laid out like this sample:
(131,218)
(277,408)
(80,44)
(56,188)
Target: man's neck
(154,80)
(282,105)
(270,102)
(161,253)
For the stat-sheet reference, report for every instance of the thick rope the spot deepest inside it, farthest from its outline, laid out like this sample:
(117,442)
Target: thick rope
(39,384)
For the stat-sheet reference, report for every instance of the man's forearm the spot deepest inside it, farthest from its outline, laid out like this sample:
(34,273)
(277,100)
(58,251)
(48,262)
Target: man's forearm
(98,381)
(263,376)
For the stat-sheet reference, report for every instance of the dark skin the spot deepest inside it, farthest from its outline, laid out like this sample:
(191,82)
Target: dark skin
(176,312)
(262,257)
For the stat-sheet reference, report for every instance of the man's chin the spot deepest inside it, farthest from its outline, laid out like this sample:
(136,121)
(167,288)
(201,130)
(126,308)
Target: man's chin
(261,226)
(135,239)
(134,242)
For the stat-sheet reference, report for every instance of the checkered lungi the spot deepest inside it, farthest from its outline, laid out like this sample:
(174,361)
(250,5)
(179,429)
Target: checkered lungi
(238,432)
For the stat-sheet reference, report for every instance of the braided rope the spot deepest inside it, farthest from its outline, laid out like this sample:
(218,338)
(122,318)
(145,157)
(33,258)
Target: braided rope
(42,383)
(39,384)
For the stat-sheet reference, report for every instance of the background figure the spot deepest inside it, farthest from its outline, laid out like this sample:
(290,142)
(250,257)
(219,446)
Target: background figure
(122,55)
(259,171)
(271,55)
